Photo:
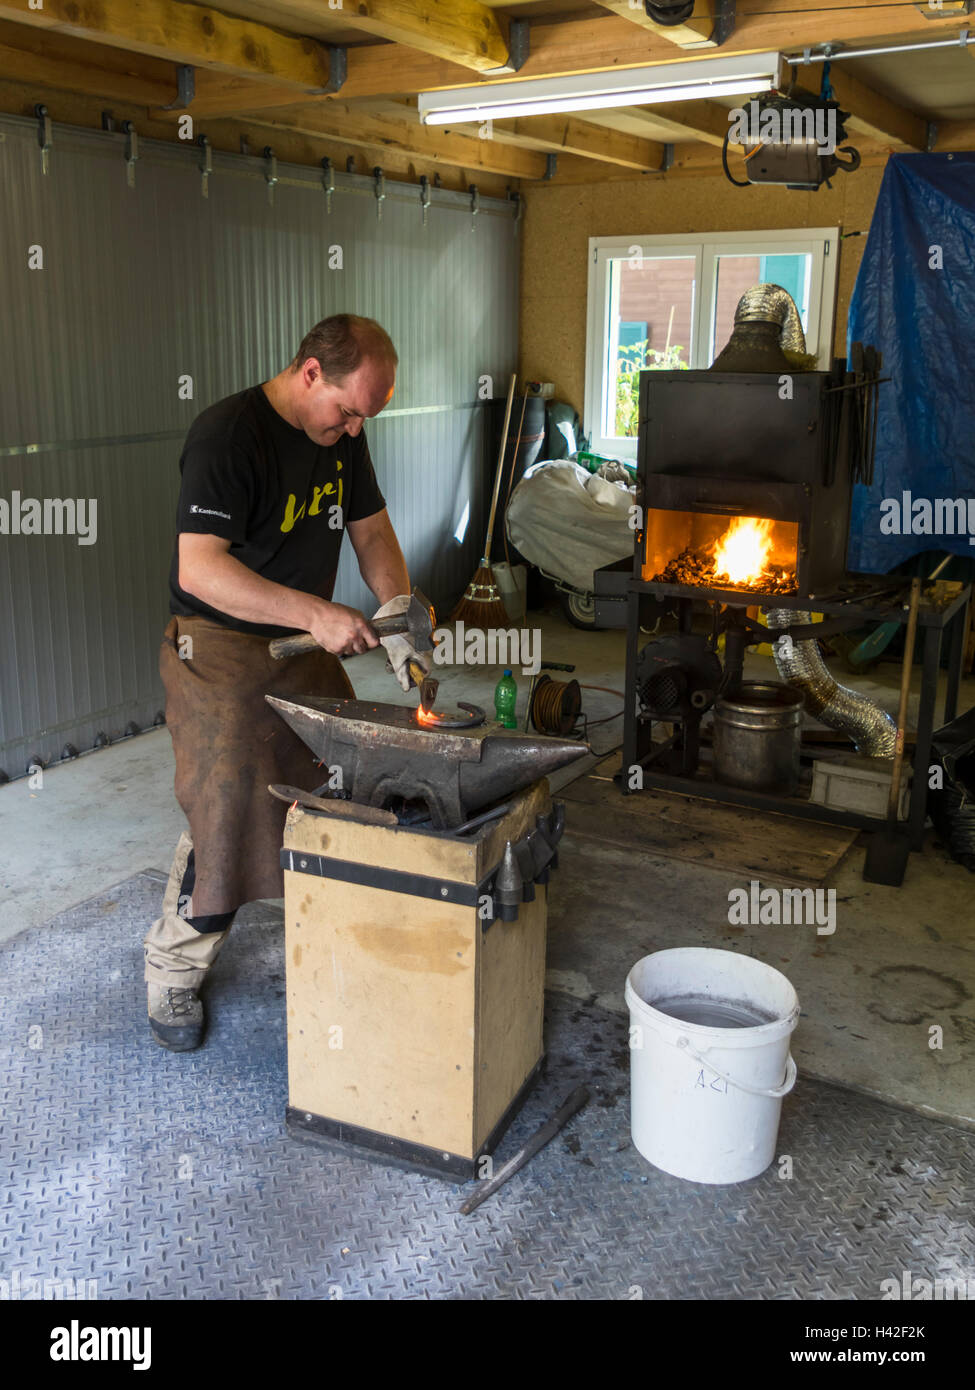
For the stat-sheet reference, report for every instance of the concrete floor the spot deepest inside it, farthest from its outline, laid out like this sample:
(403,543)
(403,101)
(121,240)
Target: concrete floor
(900,961)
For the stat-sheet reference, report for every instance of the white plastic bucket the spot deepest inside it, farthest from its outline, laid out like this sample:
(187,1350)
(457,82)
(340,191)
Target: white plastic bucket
(512,581)
(705,1100)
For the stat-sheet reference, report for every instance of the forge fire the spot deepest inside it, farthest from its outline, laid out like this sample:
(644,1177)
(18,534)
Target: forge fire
(743,556)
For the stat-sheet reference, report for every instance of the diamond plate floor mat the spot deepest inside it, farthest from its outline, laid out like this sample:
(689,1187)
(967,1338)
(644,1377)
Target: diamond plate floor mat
(156,1176)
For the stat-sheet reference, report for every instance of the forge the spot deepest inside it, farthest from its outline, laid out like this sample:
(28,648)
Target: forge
(744,492)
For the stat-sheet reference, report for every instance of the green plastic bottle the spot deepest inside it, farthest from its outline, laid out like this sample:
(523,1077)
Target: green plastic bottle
(505,699)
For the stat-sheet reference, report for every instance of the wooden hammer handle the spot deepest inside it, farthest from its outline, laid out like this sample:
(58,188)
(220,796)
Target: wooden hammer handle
(280,647)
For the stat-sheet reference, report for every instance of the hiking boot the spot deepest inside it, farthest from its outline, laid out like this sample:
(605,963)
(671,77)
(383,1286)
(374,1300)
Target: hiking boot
(175,1017)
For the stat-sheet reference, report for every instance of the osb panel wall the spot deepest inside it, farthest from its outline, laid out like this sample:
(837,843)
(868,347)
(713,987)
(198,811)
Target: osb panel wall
(560,219)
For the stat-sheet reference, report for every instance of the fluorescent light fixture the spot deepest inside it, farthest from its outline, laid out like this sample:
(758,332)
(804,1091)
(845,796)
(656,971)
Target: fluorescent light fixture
(737,75)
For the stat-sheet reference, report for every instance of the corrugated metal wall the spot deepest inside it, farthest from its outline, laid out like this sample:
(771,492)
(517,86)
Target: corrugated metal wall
(143,286)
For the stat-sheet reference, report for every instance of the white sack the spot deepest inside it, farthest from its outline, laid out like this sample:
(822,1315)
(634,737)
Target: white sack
(569,522)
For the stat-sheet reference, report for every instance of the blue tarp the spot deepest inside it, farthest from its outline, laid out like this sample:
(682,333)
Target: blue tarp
(914,299)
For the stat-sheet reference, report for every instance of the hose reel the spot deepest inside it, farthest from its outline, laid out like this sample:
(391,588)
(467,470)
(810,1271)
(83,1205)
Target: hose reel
(555,705)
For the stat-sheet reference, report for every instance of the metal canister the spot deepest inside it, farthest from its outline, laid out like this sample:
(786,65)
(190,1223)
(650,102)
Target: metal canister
(758,736)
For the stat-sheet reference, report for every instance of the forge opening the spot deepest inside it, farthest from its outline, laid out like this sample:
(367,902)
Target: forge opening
(711,551)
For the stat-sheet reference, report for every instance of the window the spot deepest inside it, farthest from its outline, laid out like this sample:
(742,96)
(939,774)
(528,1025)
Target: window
(667,303)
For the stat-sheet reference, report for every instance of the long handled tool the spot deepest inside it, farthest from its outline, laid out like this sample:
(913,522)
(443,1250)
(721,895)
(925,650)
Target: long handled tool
(881,636)
(889,847)
(511,476)
(539,1139)
(482,605)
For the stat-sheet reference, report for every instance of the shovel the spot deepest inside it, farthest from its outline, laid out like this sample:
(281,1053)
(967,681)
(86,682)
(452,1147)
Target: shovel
(888,848)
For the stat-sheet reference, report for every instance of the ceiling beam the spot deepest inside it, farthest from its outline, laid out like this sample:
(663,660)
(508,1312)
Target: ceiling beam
(698,161)
(955,135)
(228,136)
(678,121)
(69,65)
(548,134)
(219,95)
(184,33)
(689,160)
(210,40)
(190,33)
(693,32)
(567,135)
(459,31)
(349,126)
(933,9)
(874,115)
(598,45)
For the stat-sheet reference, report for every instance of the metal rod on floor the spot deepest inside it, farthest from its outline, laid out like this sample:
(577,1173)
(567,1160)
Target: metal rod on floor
(542,1135)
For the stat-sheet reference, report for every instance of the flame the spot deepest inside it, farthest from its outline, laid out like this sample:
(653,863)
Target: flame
(425,716)
(742,553)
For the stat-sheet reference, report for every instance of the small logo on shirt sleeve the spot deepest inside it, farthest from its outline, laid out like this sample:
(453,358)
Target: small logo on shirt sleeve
(210,511)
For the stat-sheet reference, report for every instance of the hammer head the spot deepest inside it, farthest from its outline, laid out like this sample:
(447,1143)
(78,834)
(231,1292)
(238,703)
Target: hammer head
(420,621)
(416,622)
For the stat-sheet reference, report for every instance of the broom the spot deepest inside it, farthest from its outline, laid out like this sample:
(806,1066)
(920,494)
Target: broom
(511,477)
(482,605)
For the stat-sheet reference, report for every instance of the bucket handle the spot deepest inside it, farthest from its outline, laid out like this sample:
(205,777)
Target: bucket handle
(773,1092)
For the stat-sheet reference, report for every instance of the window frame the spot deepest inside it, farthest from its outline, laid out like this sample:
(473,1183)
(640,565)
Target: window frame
(822,243)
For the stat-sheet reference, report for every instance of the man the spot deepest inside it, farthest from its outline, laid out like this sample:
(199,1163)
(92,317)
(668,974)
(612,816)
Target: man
(272,477)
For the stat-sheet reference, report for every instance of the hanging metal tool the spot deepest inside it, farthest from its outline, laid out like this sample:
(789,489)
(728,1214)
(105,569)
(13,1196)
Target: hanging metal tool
(44,136)
(328,183)
(519,203)
(131,151)
(424,197)
(270,173)
(475,201)
(379,188)
(206,165)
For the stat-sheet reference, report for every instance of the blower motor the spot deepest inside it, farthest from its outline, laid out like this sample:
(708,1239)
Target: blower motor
(796,142)
(677,677)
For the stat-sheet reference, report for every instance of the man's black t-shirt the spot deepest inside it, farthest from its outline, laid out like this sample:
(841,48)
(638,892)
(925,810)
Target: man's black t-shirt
(282,500)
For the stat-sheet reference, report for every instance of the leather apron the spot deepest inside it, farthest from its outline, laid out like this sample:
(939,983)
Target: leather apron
(229,743)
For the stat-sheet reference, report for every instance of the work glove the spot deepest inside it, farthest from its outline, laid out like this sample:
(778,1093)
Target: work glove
(400,650)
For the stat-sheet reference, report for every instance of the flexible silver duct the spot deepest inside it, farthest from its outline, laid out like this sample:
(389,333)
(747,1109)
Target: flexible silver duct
(872,730)
(767,335)
(772,304)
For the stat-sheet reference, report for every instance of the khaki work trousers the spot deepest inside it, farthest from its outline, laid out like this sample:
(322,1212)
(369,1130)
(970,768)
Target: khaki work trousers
(176,952)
